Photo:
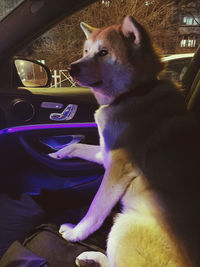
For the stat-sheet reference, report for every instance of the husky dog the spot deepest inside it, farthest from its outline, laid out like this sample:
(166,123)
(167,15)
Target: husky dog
(149,146)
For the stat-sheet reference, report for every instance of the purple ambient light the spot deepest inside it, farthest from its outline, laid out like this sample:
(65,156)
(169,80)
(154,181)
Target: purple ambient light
(33,127)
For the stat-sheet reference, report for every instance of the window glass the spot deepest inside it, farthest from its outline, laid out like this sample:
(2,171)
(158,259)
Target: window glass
(62,44)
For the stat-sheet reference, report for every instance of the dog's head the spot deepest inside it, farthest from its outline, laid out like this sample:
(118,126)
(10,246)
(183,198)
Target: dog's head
(115,59)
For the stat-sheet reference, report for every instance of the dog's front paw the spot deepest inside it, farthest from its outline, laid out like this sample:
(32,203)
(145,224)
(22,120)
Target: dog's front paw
(71,151)
(92,259)
(68,232)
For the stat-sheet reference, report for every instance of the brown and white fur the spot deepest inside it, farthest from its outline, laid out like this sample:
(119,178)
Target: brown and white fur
(149,147)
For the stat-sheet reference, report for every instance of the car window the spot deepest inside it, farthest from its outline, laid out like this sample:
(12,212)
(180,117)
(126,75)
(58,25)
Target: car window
(62,44)
(175,69)
(6,6)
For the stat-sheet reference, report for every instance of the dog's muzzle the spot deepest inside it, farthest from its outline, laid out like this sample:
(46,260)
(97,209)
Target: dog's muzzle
(74,69)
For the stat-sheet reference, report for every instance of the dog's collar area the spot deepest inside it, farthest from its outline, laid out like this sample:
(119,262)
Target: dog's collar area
(141,90)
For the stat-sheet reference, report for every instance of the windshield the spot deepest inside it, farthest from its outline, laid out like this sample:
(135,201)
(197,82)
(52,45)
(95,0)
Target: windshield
(7,6)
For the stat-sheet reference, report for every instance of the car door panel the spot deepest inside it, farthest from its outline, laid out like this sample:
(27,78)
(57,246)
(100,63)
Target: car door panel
(24,136)
(15,103)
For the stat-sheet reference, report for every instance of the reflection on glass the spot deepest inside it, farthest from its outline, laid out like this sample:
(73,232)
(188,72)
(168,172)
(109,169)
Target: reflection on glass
(30,73)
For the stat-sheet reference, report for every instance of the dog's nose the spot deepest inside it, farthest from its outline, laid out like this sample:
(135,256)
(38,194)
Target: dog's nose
(74,69)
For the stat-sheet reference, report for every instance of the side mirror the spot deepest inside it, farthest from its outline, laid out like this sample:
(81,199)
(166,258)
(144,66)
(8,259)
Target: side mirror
(32,73)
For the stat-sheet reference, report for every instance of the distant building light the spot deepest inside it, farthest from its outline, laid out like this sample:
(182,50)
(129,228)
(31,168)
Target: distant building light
(191,43)
(183,43)
(41,61)
(191,20)
(106,3)
(188,41)
(147,2)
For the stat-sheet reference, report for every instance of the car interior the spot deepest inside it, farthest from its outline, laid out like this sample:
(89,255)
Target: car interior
(37,120)
(25,112)
(30,127)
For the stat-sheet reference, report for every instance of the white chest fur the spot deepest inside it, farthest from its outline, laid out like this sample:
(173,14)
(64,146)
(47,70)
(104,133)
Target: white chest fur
(101,122)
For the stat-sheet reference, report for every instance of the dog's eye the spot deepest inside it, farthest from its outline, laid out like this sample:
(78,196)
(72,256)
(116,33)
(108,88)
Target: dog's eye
(86,51)
(103,53)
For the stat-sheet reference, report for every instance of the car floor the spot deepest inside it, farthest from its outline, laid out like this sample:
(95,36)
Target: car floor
(70,205)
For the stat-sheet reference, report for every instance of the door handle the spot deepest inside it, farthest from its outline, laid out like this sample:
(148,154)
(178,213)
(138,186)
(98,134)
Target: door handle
(67,114)
(58,142)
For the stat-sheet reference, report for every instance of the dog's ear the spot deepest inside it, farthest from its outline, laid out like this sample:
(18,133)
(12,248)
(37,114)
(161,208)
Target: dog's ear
(87,29)
(131,28)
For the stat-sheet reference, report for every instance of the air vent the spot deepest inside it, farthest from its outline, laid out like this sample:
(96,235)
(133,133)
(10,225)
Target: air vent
(23,110)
